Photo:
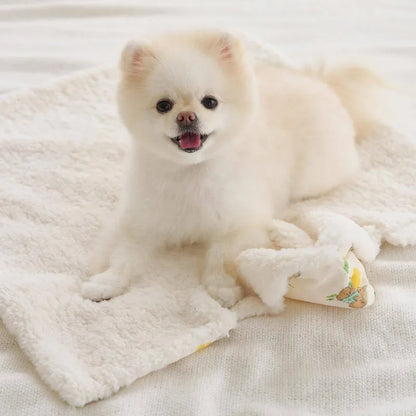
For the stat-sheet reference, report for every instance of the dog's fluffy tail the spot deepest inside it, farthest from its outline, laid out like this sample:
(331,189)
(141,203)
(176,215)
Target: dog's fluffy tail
(363,93)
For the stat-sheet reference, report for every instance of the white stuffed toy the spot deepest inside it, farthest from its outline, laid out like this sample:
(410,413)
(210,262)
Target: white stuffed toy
(315,260)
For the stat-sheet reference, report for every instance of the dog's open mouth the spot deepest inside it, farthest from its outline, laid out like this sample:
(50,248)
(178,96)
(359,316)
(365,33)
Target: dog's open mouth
(190,142)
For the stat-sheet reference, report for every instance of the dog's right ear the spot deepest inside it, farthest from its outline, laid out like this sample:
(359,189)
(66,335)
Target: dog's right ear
(135,58)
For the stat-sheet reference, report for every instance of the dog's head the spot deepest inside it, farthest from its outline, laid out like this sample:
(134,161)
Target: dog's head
(188,96)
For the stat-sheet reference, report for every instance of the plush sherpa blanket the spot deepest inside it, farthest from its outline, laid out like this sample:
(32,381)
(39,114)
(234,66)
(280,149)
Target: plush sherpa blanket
(61,165)
(61,158)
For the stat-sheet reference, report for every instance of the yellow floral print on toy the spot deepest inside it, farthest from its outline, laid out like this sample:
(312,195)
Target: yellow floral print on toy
(342,277)
(355,278)
(353,294)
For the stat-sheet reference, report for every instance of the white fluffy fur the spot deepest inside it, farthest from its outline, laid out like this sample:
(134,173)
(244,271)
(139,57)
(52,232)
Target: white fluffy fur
(277,134)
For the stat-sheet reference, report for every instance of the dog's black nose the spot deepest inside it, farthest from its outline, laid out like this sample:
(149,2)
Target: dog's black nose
(186,118)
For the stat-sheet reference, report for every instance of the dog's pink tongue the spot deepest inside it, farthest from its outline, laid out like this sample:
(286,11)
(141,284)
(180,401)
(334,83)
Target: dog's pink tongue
(190,140)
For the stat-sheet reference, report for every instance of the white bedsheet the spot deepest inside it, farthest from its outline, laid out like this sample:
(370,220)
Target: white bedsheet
(365,360)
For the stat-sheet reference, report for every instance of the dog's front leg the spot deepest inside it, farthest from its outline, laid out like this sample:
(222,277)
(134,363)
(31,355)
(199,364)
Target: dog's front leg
(126,261)
(220,275)
(218,283)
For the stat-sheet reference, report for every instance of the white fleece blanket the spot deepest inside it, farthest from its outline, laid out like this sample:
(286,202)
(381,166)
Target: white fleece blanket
(61,155)
(61,158)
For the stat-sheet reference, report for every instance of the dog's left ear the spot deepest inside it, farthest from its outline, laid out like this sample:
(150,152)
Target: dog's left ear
(226,46)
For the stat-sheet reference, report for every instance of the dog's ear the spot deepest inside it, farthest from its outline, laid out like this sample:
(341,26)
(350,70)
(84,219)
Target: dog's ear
(226,46)
(135,59)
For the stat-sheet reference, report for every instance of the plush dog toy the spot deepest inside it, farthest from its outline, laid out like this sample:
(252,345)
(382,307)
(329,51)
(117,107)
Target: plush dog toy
(315,260)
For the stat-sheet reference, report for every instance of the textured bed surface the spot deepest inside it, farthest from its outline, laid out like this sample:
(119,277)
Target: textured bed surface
(310,359)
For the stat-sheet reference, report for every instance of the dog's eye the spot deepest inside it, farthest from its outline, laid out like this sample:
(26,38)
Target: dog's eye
(209,102)
(163,106)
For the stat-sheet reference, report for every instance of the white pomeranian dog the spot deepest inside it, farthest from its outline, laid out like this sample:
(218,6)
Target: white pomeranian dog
(220,145)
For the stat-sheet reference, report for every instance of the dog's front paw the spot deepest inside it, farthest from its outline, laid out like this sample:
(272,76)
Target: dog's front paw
(227,296)
(103,286)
